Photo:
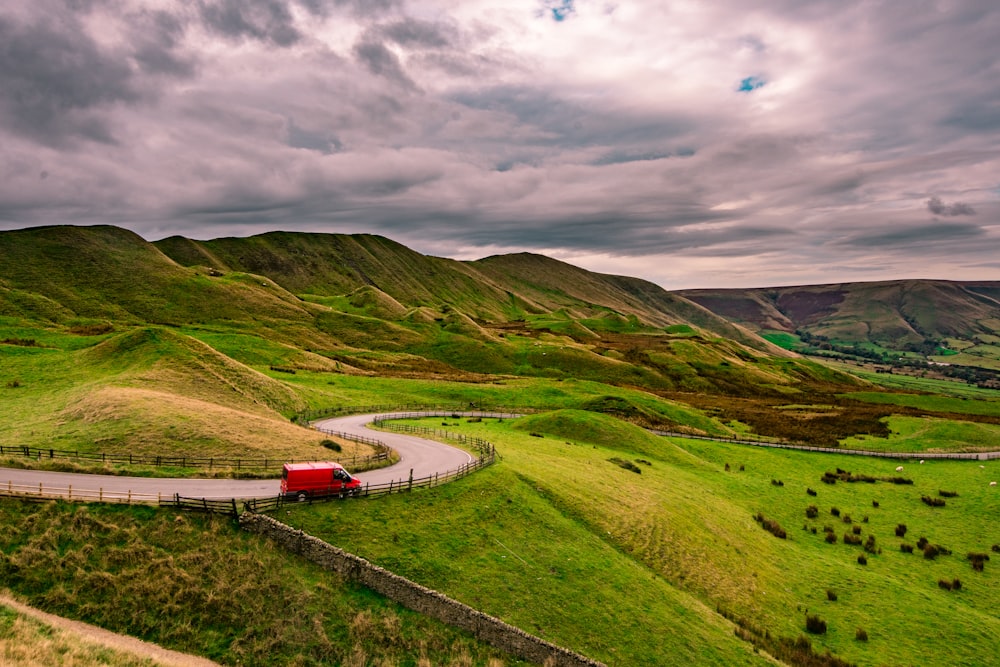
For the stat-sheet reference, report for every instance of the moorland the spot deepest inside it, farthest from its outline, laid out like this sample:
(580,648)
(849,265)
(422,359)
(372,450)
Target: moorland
(590,532)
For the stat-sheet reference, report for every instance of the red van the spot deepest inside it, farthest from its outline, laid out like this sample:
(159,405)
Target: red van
(317,478)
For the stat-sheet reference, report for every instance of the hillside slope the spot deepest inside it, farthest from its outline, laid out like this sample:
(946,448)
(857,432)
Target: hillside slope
(894,314)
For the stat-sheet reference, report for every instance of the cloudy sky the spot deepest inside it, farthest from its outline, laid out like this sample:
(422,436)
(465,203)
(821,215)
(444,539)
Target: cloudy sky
(696,144)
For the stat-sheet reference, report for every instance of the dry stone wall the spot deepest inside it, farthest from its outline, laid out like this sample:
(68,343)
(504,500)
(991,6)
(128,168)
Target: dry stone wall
(414,596)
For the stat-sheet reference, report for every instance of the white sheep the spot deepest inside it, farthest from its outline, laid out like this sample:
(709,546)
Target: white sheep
(993,483)
(982,467)
(921,461)
(899,468)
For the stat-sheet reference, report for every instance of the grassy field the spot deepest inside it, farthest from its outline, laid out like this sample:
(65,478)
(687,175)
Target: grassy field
(926,434)
(561,532)
(201,586)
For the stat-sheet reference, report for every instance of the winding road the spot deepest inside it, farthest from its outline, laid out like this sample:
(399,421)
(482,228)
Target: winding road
(423,457)
(418,458)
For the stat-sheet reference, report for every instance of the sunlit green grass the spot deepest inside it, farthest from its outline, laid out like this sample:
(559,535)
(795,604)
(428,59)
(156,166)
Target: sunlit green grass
(686,523)
(926,434)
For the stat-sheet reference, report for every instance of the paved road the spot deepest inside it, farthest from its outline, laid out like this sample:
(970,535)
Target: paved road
(424,457)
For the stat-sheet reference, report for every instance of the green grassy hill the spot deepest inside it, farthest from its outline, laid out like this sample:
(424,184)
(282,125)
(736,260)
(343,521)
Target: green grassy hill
(885,319)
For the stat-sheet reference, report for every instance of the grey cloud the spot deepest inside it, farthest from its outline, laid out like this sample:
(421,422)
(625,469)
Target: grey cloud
(938,207)
(56,81)
(265,20)
(566,123)
(356,7)
(314,141)
(622,156)
(915,236)
(418,33)
(156,44)
(380,61)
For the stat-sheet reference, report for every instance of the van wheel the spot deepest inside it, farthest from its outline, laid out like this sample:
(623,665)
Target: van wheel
(302,496)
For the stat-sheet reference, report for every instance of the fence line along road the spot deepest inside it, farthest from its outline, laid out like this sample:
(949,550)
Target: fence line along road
(967,456)
(423,463)
(205,463)
(51,492)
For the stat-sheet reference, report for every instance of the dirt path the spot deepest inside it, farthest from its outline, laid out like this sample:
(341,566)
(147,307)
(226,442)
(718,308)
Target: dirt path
(95,635)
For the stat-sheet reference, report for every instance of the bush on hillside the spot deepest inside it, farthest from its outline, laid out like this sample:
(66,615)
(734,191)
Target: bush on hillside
(771,526)
(815,624)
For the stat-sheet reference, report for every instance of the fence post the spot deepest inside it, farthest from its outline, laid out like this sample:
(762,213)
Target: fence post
(411,480)
(69,492)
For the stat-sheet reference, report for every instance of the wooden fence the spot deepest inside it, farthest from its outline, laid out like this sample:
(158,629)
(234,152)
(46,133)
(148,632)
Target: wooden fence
(357,463)
(778,444)
(41,491)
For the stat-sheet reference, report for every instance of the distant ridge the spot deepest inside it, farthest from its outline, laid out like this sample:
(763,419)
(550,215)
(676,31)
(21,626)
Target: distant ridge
(893,314)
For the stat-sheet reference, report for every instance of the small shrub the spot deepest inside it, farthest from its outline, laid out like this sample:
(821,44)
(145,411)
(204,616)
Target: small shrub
(827,529)
(956,584)
(864,519)
(834,511)
(874,504)
(931,552)
(810,492)
(727,467)
(870,545)
(644,462)
(922,542)
(741,467)
(330,444)
(978,560)
(532,434)
(897,480)
(850,538)
(932,502)
(861,635)
(829,478)
(995,548)
(948,494)
(627,465)
(21,342)
(945,584)
(812,512)
(815,624)
(13,384)
(831,595)
(777,482)
(900,530)
(856,530)
(847,518)
(862,560)
(771,526)
(831,538)
(813,529)
(906,548)
(91,329)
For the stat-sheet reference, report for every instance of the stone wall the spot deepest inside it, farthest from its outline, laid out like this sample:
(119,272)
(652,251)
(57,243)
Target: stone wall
(414,596)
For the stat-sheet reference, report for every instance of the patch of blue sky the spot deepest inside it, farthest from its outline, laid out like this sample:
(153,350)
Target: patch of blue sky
(559,10)
(750,84)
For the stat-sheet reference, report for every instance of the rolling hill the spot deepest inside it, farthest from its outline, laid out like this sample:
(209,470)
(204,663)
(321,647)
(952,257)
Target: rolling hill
(934,318)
